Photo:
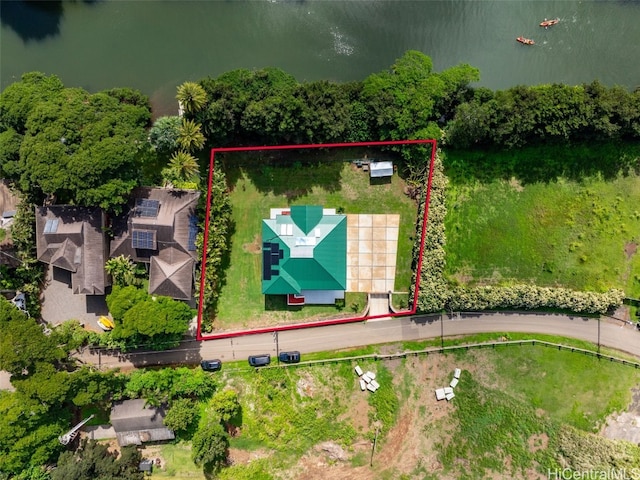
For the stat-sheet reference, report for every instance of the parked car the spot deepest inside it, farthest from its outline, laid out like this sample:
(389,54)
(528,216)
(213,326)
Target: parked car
(289,357)
(260,360)
(211,365)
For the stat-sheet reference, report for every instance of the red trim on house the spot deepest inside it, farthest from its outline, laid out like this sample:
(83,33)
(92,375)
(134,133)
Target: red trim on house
(322,323)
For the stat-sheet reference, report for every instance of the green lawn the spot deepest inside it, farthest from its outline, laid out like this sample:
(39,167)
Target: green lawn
(337,185)
(580,235)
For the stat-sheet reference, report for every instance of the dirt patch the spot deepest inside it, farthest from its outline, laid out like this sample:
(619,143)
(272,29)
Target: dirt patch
(254,247)
(358,413)
(538,442)
(625,425)
(630,249)
(242,457)
(515,184)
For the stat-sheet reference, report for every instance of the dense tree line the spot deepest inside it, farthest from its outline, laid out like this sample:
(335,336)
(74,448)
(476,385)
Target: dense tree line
(545,113)
(269,106)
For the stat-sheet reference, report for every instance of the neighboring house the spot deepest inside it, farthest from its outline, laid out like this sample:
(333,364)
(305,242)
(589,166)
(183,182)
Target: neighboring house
(72,239)
(160,229)
(304,253)
(135,423)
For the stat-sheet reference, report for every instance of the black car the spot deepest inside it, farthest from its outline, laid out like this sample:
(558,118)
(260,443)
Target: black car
(211,365)
(289,357)
(260,360)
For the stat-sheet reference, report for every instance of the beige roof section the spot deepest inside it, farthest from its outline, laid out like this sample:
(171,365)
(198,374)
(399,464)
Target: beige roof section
(76,245)
(372,245)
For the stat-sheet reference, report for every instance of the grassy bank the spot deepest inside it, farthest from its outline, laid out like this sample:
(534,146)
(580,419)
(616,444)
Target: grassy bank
(517,411)
(577,234)
(337,185)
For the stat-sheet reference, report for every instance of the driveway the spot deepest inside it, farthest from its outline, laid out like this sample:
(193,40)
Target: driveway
(60,304)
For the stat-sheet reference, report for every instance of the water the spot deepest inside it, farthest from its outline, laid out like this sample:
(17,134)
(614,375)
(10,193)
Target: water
(156,45)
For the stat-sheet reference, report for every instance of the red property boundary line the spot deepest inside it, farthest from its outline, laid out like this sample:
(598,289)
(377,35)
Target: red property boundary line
(322,323)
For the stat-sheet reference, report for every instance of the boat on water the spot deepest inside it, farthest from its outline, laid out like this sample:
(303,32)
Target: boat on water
(525,41)
(549,23)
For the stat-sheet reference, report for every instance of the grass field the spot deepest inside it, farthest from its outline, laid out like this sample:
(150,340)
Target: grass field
(578,234)
(514,412)
(337,185)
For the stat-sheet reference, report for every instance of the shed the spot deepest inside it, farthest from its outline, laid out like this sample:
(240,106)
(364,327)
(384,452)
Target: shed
(381,169)
(136,423)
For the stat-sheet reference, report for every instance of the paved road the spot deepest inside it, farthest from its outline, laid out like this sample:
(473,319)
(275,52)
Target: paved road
(610,333)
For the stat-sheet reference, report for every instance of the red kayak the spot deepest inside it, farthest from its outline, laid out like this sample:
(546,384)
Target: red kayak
(525,41)
(548,23)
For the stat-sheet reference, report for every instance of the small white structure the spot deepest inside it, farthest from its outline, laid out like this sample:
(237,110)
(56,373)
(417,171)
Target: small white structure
(371,388)
(363,385)
(448,390)
(366,378)
(381,169)
(375,384)
(449,396)
(440,394)
(371,375)
(453,383)
(358,370)
(456,373)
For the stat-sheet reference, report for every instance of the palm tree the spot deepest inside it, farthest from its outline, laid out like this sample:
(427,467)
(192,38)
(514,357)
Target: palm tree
(122,270)
(189,136)
(182,167)
(192,97)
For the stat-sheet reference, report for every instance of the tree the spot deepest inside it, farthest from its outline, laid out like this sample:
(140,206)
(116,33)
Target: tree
(192,97)
(183,167)
(225,404)
(30,431)
(123,271)
(43,384)
(93,460)
(23,343)
(159,322)
(209,447)
(190,136)
(182,415)
(164,134)
(79,148)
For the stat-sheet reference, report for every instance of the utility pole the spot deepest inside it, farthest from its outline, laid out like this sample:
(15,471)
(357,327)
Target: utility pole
(275,338)
(373,448)
(598,336)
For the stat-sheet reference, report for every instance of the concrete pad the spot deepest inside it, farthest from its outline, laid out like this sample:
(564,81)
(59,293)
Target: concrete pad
(378,285)
(365,221)
(365,246)
(365,234)
(379,260)
(378,272)
(365,273)
(353,220)
(392,233)
(379,221)
(364,285)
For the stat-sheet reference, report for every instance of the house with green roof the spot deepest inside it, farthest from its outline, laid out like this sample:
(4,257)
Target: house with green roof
(304,254)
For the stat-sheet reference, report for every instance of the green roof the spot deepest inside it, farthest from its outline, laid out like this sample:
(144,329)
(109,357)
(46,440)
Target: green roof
(313,247)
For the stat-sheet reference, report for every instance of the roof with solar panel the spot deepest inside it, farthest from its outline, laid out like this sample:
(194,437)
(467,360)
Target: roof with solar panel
(161,228)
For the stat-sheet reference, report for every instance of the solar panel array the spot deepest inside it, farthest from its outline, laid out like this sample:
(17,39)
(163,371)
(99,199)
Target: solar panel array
(143,239)
(271,256)
(51,226)
(147,208)
(193,233)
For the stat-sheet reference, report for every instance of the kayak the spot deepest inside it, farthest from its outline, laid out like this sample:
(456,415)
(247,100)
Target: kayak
(548,23)
(525,41)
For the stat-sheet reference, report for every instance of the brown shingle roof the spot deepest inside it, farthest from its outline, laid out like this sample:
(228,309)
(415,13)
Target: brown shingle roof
(135,423)
(75,242)
(171,269)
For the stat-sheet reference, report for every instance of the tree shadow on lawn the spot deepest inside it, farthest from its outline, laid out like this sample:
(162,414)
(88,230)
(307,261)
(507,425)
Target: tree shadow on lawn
(292,174)
(544,163)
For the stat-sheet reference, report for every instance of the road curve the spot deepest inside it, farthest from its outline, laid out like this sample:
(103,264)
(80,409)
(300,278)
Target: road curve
(606,332)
